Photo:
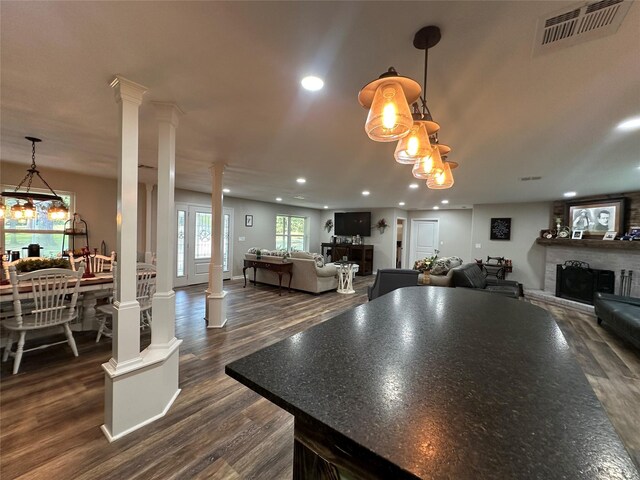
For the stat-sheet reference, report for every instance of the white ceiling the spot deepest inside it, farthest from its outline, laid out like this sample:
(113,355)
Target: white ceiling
(235,67)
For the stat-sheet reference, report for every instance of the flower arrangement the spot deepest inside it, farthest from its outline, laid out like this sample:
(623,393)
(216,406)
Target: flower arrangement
(426,263)
(33,265)
(382,225)
(328,225)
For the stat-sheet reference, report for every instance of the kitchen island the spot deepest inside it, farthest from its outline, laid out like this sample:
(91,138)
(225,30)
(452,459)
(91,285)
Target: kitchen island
(429,382)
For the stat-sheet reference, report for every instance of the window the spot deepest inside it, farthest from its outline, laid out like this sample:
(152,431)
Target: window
(291,232)
(40,229)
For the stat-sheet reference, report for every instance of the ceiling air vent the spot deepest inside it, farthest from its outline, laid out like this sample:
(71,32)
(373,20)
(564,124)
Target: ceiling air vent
(528,179)
(299,197)
(580,23)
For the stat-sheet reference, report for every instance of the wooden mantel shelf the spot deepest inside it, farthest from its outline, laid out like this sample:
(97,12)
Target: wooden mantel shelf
(588,243)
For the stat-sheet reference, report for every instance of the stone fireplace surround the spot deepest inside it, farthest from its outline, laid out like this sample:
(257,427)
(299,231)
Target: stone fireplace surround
(606,255)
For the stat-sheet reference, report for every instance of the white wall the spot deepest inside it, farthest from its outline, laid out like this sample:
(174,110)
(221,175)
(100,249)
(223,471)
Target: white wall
(384,244)
(263,232)
(454,231)
(527,219)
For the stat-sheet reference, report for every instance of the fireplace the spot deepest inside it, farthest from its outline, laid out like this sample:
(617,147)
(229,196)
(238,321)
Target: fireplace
(576,281)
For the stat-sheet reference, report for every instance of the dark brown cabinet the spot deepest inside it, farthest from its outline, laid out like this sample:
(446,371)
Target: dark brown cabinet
(361,254)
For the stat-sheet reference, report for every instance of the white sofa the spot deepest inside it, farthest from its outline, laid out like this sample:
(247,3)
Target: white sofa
(307,276)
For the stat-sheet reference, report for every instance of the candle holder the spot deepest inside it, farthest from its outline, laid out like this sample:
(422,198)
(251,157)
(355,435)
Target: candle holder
(86,253)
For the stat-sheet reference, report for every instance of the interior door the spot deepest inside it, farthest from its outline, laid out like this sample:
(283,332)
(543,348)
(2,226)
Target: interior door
(424,239)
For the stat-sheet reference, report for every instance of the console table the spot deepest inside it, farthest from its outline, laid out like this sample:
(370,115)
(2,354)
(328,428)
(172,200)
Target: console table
(401,388)
(360,254)
(279,268)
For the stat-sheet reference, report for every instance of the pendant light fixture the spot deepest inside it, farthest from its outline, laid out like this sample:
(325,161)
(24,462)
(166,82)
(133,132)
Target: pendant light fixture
(442,179)
(388,118)
(388,99)
(26,210)
(430,163)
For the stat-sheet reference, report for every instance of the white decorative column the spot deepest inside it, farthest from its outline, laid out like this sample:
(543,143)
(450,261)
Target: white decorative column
(215,308)
(148,253)
(164,302)
(139,386)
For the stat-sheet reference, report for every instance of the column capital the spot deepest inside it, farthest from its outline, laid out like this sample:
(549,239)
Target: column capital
(127,90)
(168,112)
(218,167)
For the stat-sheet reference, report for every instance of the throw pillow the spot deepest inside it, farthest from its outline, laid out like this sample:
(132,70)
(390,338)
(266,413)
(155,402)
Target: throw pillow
(252,250)
(441,266)
(319,259)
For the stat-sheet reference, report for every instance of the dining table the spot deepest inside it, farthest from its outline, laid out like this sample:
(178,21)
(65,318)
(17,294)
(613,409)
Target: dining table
(90,290)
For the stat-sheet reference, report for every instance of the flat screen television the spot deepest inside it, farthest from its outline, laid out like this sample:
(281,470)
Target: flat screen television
(353,223)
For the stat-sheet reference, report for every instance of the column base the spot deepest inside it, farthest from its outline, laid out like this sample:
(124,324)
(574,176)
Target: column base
(215,312)
(137,394)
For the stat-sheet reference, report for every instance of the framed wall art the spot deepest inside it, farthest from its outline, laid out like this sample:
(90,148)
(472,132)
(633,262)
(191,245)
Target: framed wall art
(248,220)
(500,229)
(596,217)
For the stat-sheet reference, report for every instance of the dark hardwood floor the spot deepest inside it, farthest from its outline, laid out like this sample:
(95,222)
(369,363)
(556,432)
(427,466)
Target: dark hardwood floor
(50,413)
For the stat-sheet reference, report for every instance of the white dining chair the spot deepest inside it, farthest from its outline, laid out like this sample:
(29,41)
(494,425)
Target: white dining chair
(54,293)
(97,263)
(145,288)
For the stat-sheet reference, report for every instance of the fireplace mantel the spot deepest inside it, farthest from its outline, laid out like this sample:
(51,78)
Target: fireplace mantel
(588,243)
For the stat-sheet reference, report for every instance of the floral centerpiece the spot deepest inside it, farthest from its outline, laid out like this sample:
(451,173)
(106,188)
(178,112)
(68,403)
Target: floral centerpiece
(426,263)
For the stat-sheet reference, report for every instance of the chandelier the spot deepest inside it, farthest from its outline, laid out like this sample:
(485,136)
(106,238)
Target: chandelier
(26,199)
(390,119)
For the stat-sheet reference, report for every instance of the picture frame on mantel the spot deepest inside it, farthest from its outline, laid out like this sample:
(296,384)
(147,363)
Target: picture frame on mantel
(596,217)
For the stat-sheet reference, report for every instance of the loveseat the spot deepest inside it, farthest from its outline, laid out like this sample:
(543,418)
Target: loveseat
(469,275)
(621,314)
(307,275)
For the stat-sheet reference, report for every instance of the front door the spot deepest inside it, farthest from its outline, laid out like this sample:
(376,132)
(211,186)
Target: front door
(198,244)
(193,244)
(424,239)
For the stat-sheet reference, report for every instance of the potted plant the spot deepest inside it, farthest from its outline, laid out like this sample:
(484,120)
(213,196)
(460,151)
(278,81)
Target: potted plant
(382,225)
(258,254)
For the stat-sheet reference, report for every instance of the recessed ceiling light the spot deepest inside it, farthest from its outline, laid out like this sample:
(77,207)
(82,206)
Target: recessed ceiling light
(629,124)
(401,204)
(569,194)
(414,185)
(326,206)
(278,199)
(436,208)
(226,190)
(365,192)
(311,83)
(445,201)
(301,180)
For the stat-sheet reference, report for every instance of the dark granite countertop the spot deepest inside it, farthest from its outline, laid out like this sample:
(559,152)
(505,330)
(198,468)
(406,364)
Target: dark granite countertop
(444,383)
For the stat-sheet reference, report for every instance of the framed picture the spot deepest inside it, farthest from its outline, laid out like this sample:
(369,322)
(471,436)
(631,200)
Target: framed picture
(577,234)
(610,235)
(248,220)
(500,229)
(596,217)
